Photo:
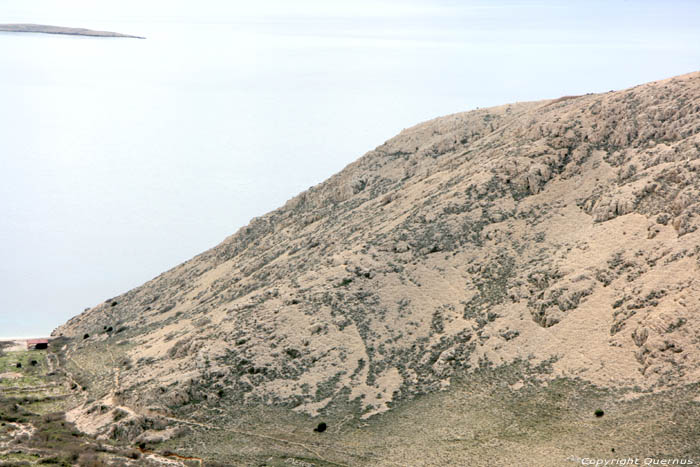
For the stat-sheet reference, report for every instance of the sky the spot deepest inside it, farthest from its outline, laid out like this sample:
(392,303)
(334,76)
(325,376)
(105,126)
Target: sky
(120,159)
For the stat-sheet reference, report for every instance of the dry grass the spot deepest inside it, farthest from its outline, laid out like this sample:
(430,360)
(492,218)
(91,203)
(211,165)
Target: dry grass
(479,420)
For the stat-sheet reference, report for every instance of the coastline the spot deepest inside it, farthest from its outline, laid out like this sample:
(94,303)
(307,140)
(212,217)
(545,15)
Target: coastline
(14,344)
(10,339)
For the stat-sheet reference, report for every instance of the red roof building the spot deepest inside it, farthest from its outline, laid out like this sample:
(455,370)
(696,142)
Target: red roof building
(37,344)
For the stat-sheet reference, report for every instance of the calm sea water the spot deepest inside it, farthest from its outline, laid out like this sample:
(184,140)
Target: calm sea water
(120,158)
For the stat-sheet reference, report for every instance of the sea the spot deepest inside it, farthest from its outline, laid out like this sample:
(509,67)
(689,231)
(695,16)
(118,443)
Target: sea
(121,158)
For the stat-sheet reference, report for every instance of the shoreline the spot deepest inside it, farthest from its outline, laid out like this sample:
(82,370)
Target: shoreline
(46,29)
(11,339)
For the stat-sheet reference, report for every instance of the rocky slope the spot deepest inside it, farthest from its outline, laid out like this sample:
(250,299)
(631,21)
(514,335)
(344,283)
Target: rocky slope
(561,231)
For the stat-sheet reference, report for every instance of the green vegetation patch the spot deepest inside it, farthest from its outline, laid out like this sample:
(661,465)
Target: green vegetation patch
(32,368)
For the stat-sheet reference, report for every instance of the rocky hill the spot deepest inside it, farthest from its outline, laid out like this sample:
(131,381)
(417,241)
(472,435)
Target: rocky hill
(561,233)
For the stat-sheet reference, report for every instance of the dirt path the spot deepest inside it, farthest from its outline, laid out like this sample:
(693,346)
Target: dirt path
(49,362)
(116,373)
(172,454)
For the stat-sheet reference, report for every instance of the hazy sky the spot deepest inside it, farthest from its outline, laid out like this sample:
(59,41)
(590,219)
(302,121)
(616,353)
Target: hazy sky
(122,158)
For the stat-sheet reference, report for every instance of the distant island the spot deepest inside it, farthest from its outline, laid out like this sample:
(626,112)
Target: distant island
(61,30)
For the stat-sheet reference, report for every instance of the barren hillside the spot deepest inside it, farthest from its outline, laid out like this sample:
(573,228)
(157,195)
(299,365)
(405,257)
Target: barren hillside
(559,233)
